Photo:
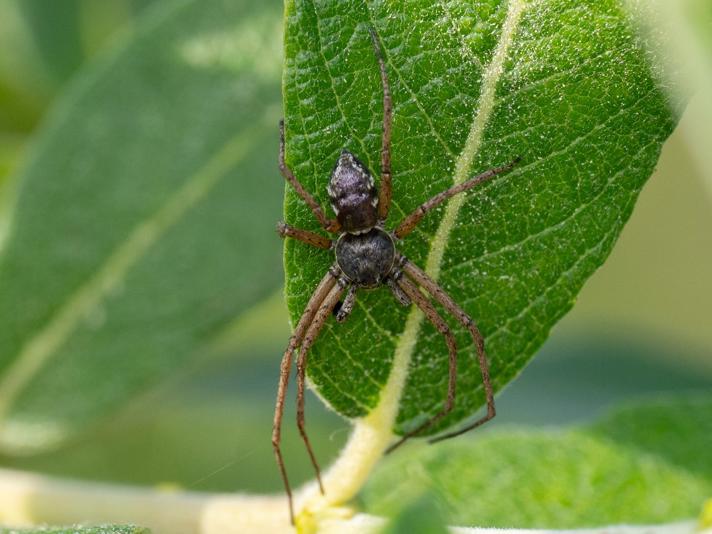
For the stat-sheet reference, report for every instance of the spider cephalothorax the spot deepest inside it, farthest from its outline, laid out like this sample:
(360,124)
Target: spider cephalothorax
(366,258)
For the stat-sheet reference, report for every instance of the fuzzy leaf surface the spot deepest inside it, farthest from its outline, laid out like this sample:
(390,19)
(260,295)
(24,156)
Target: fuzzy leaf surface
(145,217)
(561,83)
(644,464)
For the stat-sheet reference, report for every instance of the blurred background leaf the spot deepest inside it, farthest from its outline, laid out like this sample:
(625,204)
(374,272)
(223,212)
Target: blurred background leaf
(146,170)
(108,529)
(677,431)
(620,471)
(418,515)
(41,46)
(679,36)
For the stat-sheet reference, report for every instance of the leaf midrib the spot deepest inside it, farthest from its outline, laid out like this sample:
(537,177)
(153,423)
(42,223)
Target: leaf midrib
(486,103)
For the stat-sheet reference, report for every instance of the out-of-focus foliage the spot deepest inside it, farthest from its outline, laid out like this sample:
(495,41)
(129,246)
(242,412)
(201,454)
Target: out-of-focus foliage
(42,45)
(141,219)
(108,529)
(678,431)
(418,515)
(679,37)
(646,464)
(706,517)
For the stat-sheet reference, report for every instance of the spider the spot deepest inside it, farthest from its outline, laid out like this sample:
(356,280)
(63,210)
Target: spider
(366,257)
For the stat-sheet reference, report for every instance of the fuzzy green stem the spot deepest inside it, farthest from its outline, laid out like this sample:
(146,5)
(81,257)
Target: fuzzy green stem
(30,499)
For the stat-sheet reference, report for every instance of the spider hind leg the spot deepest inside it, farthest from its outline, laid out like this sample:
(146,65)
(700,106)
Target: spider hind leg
(347,305)
(440,296)
(407,225)
(312,333)
(307,319)
(414,294)
(398,293)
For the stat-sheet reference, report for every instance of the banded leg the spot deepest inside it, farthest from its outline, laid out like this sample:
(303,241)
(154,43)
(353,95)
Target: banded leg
(421,278)
(312,333)
(305,236)
(330,225)
(348,305)
(398,293)
(412,220)
(325,286)
(428,309)
(386,188)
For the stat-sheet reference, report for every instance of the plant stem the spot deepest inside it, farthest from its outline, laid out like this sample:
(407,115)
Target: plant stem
(29,499)
(369,439)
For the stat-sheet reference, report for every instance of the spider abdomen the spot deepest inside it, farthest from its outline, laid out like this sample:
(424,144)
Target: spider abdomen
(366,259)
(353,194)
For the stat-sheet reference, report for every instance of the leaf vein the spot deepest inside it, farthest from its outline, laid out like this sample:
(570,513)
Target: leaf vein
(413,95)
(545,231)
(337,99)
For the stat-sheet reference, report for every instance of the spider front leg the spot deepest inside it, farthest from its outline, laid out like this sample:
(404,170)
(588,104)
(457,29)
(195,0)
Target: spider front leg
(411,221)
(330,225)
(386,187)
(305,236)
(398,293)
(312,333)
(428,309)
(347,306)
(420,277)
(320,293)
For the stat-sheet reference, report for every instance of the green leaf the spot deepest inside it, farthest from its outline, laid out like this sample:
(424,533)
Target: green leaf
(535,479)
(561,83)
(106,529)
(419,515)
(145,217)
(23,84)
(56,33)
(678,431)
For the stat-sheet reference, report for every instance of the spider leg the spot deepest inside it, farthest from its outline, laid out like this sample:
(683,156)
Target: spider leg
(322,290)
(330,225)
(398,293)
(412,220)
(347,306)
(428,309)
(420,277)
(312,333)
(386,188)
(305,236)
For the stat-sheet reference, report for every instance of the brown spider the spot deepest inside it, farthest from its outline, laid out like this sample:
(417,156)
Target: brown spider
(366,258)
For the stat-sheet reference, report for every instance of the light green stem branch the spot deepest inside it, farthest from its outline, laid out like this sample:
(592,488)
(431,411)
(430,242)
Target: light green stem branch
(28,499)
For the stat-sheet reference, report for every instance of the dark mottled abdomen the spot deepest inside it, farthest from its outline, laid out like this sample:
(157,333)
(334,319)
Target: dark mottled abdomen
(353,194)
(366,259)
